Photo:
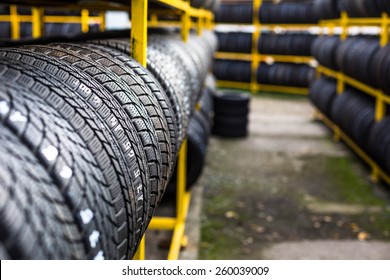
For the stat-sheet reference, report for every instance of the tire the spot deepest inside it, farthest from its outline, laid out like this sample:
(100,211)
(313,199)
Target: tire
(68,161)
(75,98)
(156,67)
(155,87)
(34,215)
(145,97)
(322,93)
(134,110)
(231,114)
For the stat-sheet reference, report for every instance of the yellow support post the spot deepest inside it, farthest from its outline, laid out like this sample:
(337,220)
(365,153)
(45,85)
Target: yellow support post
(340,83)
(15,22)
(344,25)
(255,40)
(384,30)
(140,254)
(380,108)
(102,25)
(185,25)
(139,25)
(84,20)
(37,22)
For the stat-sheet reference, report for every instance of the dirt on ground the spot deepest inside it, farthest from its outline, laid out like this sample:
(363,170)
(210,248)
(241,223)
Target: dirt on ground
(289,192)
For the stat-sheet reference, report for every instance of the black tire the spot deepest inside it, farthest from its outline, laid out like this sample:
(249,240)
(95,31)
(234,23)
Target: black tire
(75,98)
(145,97)
(66,158)
(135,111)
(35,220)
(155,87)
(228,103)
(155,66)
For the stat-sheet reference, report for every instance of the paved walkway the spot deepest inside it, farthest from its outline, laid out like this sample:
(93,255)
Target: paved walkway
(289,192)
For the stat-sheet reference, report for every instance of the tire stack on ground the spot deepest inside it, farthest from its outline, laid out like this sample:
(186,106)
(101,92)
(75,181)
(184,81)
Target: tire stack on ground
(361,58)
(50,29)
(231,110)
(88,143)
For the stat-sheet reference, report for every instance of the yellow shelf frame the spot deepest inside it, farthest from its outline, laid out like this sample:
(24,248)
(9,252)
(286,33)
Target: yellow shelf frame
(377,173)
(38,19)
(263,87)
(381,99)
(138,37)
(264,57)
(139,15)
(255,57)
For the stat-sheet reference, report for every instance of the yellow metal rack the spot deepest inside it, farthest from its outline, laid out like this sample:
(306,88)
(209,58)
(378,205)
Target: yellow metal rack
(381,99)
(38,19)
(139,17)
(255,57)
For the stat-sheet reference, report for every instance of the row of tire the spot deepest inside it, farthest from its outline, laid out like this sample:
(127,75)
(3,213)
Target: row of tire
(298,44)
(354,112)
(284,12)
(89,140)
(50,29)
(282,74)
(359,57)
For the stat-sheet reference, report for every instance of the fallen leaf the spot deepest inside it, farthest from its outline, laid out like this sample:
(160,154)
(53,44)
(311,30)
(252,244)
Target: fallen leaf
(355,227)
(340,223)
(327,219)
(248,241)
(257,228)
(317,225)
(362,236)
(231,215)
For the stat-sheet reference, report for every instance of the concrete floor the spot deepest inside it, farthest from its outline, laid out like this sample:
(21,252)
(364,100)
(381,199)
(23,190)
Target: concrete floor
(289,192)
(285,192)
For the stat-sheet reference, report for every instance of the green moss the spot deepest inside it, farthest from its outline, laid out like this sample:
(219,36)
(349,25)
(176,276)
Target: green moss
(215,244)
(352,187)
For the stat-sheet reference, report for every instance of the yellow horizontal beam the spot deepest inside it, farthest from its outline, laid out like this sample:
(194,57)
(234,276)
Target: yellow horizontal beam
(177,4)
(233,84)
(162,223)
(263,87)
(283,89)
(328,72)
(385,177)
(354,83)
(52,19)
(233,56)
(287,58)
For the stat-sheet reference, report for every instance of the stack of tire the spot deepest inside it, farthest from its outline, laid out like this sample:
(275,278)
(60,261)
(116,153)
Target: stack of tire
(365,8)
(361,58)
(232,70)
(50,29)
(237,42)
(352,110)
(293,44)
(287,13)
(235,12)
(231,110)
(327,9)
(298,44)
(198,135)
(285,74)
(88,143)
